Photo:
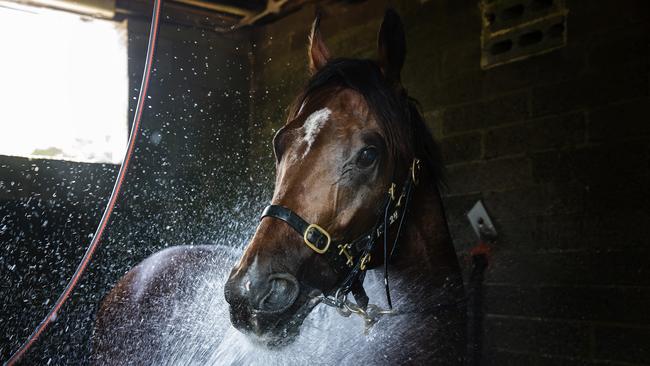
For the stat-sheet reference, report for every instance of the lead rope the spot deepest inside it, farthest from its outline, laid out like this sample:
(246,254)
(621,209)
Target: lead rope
(51,316)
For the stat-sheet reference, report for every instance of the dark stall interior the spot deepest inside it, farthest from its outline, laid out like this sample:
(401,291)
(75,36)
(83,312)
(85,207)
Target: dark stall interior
(541,109)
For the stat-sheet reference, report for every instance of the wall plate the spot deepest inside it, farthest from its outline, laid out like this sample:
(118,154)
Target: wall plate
(481,223)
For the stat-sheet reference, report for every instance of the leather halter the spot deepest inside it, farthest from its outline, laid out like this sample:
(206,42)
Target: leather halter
(349,259)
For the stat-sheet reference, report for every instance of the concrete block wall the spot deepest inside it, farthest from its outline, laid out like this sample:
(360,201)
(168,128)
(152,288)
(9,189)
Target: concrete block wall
(557,146)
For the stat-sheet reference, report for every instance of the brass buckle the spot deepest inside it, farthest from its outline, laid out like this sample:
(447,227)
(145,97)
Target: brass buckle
(364,260)
(391,191)
(415,169)
(344,251)
(313,245)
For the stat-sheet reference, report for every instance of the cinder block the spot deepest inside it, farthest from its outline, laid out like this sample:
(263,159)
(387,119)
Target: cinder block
(622,121)
(545,233)
(617,229)
(536,336)
(456,207)
(552,166)
(597,268)
(460,58)
(547,133)
(609,165)
(487,113)
(625,47)
(629,344)
(588,91)
(461,148)
(589,304)
(504,357)
(593,19)
(500,174)
(463,88)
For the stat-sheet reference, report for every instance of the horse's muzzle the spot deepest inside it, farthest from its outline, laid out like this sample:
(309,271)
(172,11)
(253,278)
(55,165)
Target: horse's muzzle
(281,292)
(256,303)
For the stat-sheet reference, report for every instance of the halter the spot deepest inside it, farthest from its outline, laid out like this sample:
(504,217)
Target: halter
(349,259)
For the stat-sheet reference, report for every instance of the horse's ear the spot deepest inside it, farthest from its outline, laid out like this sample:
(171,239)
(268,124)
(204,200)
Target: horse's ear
(318,53)
(391,44)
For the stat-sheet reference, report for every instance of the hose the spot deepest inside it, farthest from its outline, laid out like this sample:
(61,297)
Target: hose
(135,128)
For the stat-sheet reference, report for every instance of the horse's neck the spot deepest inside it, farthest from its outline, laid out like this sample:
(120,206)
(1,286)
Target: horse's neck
(426,283)
(425,252)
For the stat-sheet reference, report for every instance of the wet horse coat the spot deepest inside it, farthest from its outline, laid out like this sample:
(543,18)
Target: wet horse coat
(350,134)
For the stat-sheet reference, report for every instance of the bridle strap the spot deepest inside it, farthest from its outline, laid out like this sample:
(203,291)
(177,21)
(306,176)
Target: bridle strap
(408,189)
(350,259)
(312,234)
(286,215)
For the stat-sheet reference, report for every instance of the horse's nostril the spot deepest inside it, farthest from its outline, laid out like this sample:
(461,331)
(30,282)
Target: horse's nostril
(282,292)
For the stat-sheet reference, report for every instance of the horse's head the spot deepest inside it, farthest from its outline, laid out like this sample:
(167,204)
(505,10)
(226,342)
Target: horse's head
(335,159)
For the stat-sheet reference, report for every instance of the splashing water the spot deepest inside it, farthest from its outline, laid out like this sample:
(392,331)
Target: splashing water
(193,330)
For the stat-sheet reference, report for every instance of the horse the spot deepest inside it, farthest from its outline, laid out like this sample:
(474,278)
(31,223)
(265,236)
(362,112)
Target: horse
(356,212)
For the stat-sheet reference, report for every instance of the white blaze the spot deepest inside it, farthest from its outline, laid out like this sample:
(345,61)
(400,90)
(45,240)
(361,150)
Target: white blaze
(313,125)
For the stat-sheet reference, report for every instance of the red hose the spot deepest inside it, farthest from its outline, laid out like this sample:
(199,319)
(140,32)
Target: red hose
(153,35)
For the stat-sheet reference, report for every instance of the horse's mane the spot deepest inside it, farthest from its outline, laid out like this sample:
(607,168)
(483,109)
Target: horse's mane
(398,114)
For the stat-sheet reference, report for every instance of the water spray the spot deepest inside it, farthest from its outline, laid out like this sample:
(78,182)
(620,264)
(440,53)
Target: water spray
(94,243)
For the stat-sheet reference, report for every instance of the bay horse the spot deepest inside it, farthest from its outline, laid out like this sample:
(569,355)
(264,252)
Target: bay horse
(356,197)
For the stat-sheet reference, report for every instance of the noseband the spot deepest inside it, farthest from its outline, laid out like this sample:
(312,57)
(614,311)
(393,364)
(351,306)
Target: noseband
(349,259)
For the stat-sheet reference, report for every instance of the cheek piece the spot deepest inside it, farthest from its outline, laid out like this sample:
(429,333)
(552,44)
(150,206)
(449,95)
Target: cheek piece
(349,258)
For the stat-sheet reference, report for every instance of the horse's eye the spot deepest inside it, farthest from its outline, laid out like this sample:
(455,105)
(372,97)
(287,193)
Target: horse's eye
(367,157)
